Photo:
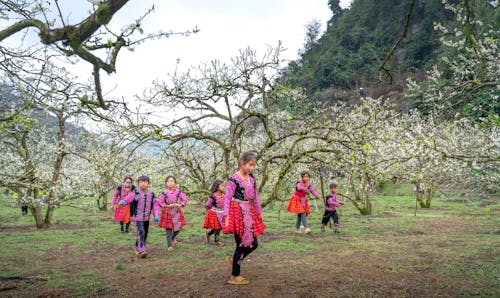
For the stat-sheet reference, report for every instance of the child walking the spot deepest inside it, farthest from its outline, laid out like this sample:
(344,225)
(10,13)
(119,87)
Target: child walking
(122,213)
(299,203)
(214,216)
(242,211)
(142,202)
(172,219)
(331,205)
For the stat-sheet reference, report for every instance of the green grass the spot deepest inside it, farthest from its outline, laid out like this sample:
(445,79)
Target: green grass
(85,255)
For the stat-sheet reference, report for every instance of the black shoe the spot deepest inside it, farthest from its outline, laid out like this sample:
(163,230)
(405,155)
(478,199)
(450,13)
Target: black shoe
(127,231)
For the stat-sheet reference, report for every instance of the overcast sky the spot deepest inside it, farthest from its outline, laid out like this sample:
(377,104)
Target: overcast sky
(226,26)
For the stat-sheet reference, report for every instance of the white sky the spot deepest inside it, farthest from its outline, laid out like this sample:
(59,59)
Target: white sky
(226,27)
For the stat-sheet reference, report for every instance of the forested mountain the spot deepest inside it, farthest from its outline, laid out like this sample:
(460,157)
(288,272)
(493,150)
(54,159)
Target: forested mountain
(347,56)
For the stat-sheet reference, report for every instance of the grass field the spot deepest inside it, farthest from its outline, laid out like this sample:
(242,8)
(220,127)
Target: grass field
(452,249)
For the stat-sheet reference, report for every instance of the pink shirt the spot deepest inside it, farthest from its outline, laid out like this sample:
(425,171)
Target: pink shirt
(146,202)
(219,201)
(167,198)
(332,202)
(250,192)
(304,189)
(301,190)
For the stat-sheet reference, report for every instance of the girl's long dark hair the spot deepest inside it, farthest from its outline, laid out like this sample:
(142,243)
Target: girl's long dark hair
(128,178)
(215,186)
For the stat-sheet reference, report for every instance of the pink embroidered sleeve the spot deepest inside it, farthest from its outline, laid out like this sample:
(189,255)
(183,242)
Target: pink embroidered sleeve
(115,198)
(314,192)
(161,200)
(300,187)
(183,198)
(228,196)
(332,202)
(209,202)
(156,206)
(129,198)
(256,201)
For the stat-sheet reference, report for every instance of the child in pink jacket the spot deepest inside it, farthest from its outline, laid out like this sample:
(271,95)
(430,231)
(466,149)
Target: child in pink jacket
(142,201)
(331,205)
(172,219)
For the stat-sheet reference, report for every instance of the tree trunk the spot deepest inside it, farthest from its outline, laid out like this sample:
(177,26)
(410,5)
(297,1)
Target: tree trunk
(362,202)
(426,199)
(367,205)
(227,160)
(102,203)
(61,146)
(48,214)
(36,209)
(361,197)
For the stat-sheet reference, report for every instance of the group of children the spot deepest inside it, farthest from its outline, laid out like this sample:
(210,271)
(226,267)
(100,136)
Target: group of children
(299,204)
(136,205)
(233,208)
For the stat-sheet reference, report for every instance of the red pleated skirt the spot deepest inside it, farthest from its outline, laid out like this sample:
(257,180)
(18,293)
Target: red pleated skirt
(236,224)
(122,213)
(172,219)
(295,206)
(211,221)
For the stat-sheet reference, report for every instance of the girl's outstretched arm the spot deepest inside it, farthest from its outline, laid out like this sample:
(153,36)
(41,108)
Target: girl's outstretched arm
(128,199)
(314,192)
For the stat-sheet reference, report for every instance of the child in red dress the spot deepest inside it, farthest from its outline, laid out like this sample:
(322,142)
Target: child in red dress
(298,202)
(172,219)
(213,218)
(242,210)
(122,213)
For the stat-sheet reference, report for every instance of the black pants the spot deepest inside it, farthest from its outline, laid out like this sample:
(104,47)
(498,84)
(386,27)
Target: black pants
(24,209)
(330,214)
(127,225)
(142,228)
(240,253)
(216,232)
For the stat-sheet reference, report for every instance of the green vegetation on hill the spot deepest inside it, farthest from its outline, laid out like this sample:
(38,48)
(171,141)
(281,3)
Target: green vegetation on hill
(348,54)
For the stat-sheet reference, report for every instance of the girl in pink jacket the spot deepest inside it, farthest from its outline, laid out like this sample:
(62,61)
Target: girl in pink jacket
(172,219)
